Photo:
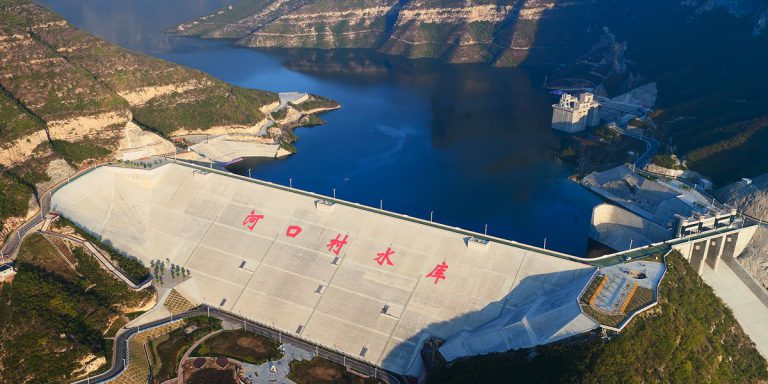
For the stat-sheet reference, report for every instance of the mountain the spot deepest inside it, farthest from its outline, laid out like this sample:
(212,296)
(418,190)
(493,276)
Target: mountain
(67,97)
(706,56)
(501,32)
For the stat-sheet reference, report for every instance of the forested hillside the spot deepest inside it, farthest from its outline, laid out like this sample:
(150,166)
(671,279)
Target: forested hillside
(691,337)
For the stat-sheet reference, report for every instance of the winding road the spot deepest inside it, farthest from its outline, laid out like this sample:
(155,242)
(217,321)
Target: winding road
(651,145)
(14,239)
(120,350)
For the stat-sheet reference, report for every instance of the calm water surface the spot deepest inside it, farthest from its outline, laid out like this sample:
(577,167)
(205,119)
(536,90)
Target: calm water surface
(470,143)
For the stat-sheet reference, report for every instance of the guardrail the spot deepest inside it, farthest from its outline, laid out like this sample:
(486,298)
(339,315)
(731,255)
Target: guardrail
(96,252)
(324,352)
(604,260)
(512,243)
(638,311)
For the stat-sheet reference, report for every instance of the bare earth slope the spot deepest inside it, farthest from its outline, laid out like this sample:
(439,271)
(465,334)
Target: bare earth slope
(752,200)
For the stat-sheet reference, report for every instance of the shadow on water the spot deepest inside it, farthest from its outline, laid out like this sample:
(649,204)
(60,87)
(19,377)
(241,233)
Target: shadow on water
(469,142)
(533,313)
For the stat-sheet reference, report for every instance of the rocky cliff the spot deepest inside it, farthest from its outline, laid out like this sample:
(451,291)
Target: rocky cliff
(69,97)
(752,199)
(501,32)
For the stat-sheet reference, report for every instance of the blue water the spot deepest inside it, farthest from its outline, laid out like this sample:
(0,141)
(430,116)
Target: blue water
(470,143)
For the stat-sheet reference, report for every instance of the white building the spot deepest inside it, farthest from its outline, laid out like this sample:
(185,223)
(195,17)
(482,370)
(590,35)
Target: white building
(573,114)
(6,272)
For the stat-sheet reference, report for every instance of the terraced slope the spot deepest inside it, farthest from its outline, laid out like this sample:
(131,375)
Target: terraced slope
(500,32)
(66,95)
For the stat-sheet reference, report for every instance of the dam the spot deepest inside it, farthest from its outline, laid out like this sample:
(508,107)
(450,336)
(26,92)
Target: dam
(368,283)
(375,285)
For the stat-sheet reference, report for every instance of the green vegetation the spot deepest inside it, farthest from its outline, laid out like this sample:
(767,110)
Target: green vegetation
(14,197)
(76,153)
(691,337)
(134,315)
(280,114)
(315,102)
(212,375)
(15,121)
(37,252)
(667,161)
(312,121)
(240,345)
(637,123)
(168,349)
(569,154)
(322,371)
(204,109)
(131,267)
(605,133)
(119,322)
(51,317)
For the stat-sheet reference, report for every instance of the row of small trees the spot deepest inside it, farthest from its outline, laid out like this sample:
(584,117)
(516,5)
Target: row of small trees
(158,270)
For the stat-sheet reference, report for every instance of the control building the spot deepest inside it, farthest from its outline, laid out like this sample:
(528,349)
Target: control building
(574,114)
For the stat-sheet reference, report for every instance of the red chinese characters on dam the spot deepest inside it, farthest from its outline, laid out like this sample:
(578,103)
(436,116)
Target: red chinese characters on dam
(439,272)
(336,244)
(383,257)
(293,231)
(252,219)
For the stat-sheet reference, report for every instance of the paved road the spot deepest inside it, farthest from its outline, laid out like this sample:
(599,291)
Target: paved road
(120,350)
(651,146)
(9,247)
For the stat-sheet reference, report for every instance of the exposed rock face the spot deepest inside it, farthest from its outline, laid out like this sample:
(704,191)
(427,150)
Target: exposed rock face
(69,97)
(753,200)
(502,32)
(59,83)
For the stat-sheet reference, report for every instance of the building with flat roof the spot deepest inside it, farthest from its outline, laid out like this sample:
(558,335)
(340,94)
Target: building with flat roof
(7,272)
(574,114)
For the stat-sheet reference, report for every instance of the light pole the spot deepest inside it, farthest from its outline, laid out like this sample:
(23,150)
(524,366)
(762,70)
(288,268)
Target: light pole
(381,204)
(431,215)
(249,173)
(486,230)
(334,193)
(545,243)
(630,243)
(290,182)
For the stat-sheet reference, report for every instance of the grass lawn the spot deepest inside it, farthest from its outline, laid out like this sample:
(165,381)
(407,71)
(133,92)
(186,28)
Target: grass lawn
(116,325)
(211,376)
(322,371)
(240,345)
(168,349)
(38,251)
(133,315)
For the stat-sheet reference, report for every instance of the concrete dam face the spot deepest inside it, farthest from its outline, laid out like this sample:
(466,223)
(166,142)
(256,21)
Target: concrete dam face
(370,284)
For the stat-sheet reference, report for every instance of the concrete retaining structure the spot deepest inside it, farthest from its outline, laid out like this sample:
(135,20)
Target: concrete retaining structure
(710,250)
(747,279)
(615,226)
(268,253)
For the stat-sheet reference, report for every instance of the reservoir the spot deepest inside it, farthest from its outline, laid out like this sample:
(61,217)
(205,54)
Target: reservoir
(469,144)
